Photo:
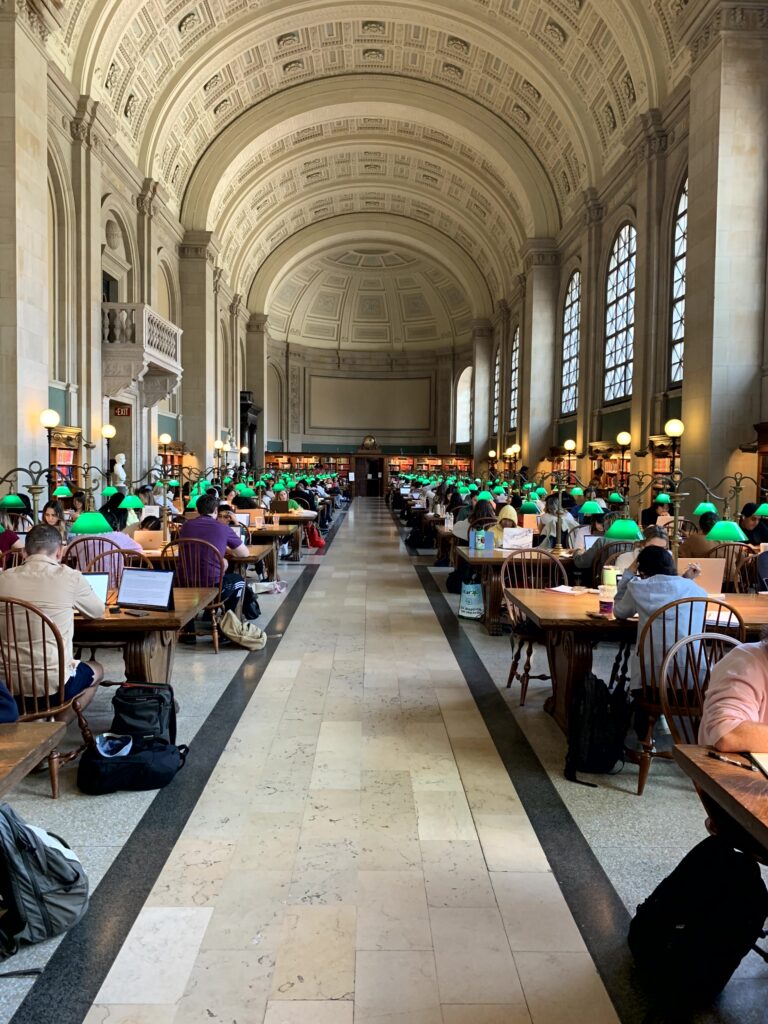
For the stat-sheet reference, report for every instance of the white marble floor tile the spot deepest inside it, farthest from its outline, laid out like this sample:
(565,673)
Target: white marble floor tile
(443,815)
(309,1012)
(535,914)
(474,961)
(396,987)
(480,1013)
(392,911)
(100,1013)
(316,958)
(161,950)
(455,874)
(561,988)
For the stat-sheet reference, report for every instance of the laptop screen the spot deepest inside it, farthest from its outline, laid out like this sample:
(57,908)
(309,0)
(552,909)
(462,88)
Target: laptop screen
(99,584)
(145,588)
(589,540)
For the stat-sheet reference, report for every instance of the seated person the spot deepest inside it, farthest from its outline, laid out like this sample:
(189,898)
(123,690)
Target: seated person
(53,515)
(205,526)
(158,498)
(649,515)
(10,541)
(78,505)
(293,506)
(754,526)
(653,584)
(506,517)
(736,705)
(59,592)
(302,491)
(585,558)
(118,519)
(483,510)
(696,545)
(568,525)
(653,537)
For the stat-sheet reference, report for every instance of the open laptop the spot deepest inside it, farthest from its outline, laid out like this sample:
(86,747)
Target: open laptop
(146,588)
(283,507)
(531,522)
(589,540)
(150,540)
(99,584)
(244,518)
(712,572)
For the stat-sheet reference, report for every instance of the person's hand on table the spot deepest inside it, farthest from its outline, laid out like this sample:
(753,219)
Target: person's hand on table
(692,571)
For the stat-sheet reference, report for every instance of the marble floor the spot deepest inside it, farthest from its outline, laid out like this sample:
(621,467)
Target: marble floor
(359,853)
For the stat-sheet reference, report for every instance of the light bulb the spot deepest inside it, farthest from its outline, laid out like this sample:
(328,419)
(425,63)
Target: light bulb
(49,419)
(515,449)
(623,439)
(492,453)
(674,428)
(108,431)
(164,439)
(569,445)
(218,444)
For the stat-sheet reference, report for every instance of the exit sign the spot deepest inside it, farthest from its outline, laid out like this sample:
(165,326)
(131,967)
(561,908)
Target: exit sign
(121,410)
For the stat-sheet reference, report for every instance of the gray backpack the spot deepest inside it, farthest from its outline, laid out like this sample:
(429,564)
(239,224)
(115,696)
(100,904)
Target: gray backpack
(43,887)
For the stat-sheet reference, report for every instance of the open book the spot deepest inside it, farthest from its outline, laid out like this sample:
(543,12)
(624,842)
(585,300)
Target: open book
(761,760)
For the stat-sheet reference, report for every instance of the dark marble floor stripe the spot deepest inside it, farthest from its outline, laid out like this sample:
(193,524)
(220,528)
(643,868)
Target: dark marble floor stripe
(70,982)
(600,914)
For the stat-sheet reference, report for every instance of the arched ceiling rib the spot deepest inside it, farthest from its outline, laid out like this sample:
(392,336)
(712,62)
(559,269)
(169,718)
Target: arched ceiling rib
(565,75)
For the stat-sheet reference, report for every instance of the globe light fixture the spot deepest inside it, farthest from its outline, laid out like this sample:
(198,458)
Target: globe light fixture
(674,429)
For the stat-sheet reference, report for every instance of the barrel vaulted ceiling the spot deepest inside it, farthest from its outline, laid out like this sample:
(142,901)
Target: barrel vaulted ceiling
(483,120)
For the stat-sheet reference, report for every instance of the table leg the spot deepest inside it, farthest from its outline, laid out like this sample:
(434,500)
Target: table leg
(273,572)
(296,538)
(492,596)
(149,657)
(570,657)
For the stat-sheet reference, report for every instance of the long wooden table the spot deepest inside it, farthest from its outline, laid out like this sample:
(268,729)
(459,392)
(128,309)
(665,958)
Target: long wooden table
(149,640)
(256,553)
(571,634)
(274,533)
(740,794)
(23,745)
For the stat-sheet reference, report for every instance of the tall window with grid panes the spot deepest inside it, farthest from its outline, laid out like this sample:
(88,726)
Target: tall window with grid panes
(514,379)
(569,377)
(679,261)
(496,392)
(620,316)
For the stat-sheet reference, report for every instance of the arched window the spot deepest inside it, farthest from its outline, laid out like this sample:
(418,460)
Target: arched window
(620,316)
(679,261)
(496,391)
(514,380)
(571,339)
(464,407)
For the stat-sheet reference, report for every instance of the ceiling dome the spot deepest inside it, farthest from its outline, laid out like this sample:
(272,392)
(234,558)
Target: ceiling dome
(371,298)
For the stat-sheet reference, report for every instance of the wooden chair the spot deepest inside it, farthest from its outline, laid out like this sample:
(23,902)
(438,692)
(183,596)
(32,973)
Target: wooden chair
(83,550)
(114,562)
(303,502)
(39,684)
(12,558)
(19,522)
(532,569)
(191,561)
(664,628)
(684,676)
(734,554)
(685,528)
(747,581)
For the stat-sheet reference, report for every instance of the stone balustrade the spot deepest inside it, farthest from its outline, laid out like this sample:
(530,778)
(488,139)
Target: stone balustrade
(140,349)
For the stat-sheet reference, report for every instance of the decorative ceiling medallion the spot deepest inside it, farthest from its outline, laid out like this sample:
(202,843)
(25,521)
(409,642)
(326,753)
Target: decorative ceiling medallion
(453,71)
(287,39)
(554,32)
(628,88)
(130,107)
(520,114)
(188,23)
(111,78)
(373,54)
(374,28)
(610,117)
(459,45)
(293,65)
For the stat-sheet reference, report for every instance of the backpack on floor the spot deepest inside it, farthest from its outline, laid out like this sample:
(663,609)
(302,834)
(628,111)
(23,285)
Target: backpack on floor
(697,926)
(43,887)
(113,763)
(597,724)
(145,710)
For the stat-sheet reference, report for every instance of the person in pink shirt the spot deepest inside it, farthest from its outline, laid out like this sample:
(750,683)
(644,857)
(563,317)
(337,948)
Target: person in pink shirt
(736,704)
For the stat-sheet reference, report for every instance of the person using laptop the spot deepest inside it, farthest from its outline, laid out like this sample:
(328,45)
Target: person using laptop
(754,526)
(696,545)
(59,592)
(585,555)
(293,506)
(735,714)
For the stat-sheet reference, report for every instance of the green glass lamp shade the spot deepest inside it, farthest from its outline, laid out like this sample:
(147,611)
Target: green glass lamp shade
(498,490)
(541,491)
(527,487)
(203,486)
(192,504)
(624,529)
(131,501)
(473,487)
(530,508)
(662,499)
(227,479)
(463,491)
(173,483)
(485,496)
(762,510)
(90,522)
(62,492)
(591,508)
(238,487)
(615,498)
(248,492)
(11,501)
(106,493)
(707,506)
(727,532)
(577,492)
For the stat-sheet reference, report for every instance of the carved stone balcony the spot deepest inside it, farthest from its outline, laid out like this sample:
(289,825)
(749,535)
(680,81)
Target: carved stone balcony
(140,351)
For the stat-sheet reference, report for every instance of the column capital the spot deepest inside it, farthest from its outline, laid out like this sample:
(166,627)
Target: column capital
(146,198)
(540,252)
(702,23)
(239,310)
(199,245)
(39,17)
(647,137)
(482,328)
(594,210)
(257,322)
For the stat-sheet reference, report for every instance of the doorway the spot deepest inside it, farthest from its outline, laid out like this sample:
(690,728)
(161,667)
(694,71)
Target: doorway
(369,477)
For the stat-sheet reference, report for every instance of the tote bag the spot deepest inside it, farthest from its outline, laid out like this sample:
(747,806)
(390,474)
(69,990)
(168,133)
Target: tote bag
(471,604)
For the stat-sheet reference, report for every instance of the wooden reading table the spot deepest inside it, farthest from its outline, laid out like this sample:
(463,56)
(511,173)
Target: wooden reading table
(149,639)
(23,745)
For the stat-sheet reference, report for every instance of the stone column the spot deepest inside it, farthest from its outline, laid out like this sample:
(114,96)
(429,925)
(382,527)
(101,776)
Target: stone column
(256,377)
(238,324)
(23,234)
(145,272)
(727,221)
(482,345)
(295,378)
(197,265)
(444,379)
(592,299)
(90,129)
(537,355)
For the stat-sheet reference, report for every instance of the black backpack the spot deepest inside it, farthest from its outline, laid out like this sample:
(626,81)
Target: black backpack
(697,926)
(43,887)
(598,722)
(151,764)
(145,710)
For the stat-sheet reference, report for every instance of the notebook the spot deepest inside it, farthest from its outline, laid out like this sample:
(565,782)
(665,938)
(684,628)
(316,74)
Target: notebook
(99,584)
(150,510)
(761,760)
(712,572)
(146,588)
